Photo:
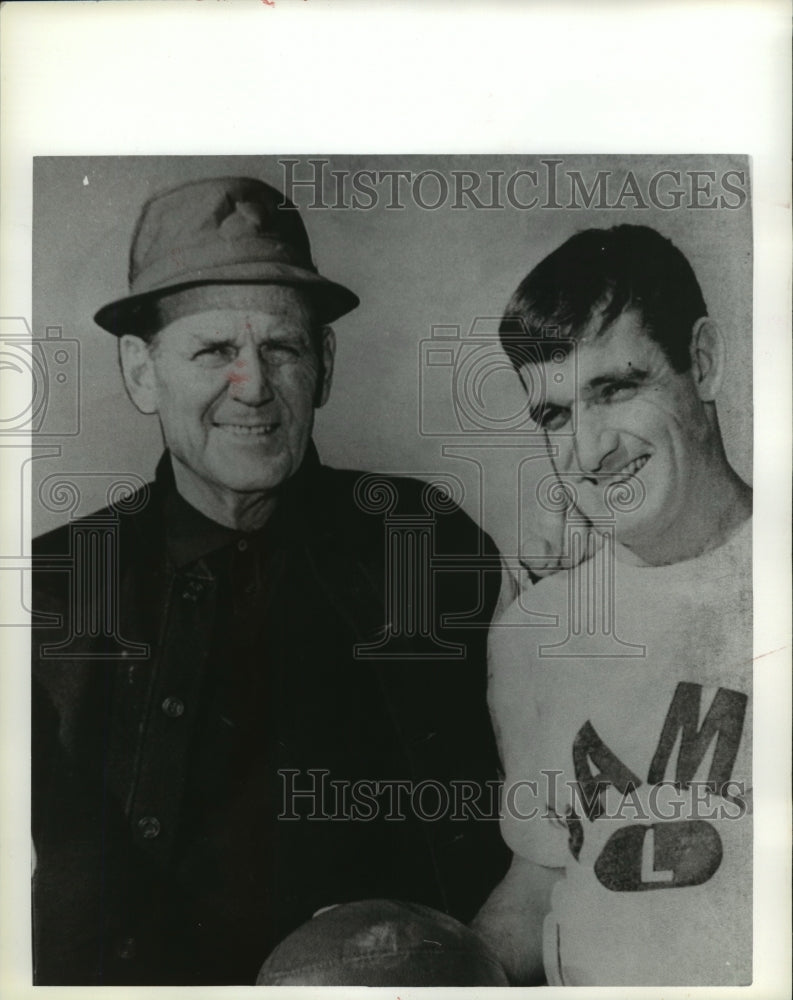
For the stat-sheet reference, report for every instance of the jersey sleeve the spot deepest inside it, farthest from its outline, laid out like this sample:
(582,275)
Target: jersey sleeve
(528,823)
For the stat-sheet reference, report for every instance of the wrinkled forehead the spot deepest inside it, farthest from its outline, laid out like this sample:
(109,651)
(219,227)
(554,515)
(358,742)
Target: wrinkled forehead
(598,337)
(273,300)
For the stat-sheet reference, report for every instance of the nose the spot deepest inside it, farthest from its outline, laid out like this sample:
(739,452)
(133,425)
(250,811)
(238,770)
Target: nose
(595,444)
(249,378)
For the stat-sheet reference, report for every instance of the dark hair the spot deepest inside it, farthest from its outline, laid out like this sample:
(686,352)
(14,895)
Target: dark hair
(597,275)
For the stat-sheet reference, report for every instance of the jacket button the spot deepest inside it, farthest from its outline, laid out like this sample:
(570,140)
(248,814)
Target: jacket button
(193,590)
(126,948)
(173,707)
(149,827)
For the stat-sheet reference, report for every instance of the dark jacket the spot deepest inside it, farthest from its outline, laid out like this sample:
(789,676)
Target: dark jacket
(182,698)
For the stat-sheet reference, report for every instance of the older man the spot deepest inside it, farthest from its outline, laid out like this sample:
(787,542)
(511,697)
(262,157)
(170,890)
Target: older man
(227,759)
(625,721)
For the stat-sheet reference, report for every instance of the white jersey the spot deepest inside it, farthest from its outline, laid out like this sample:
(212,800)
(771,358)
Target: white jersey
(621,696)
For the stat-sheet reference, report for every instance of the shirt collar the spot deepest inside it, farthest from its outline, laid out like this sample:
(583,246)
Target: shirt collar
(191,535)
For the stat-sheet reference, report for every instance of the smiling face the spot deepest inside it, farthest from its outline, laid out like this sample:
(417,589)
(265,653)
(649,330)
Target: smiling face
(235,388)
(614,409)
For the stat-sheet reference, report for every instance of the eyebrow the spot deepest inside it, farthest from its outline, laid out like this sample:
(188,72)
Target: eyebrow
(628,374)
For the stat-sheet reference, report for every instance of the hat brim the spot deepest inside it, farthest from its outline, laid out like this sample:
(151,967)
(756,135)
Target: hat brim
(329,299)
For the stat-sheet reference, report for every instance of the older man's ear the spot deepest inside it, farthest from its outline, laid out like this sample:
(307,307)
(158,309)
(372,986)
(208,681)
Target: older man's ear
(134,355)
(327,355)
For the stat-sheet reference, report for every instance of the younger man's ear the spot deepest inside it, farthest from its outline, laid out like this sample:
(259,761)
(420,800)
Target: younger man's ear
(134,355)
(707,358)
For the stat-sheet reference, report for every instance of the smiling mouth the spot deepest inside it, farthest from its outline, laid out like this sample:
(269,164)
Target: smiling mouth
(248,430)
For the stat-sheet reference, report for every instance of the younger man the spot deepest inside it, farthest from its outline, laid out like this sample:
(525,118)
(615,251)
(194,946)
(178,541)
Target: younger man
(624,720)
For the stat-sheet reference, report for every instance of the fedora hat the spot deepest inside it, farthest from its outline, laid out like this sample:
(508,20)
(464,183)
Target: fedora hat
(225,230)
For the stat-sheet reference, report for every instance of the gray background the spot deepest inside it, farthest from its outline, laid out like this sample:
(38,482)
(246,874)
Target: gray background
(412,268)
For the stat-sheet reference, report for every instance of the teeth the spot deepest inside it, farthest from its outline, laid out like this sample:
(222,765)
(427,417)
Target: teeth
(633,467)
(248,430)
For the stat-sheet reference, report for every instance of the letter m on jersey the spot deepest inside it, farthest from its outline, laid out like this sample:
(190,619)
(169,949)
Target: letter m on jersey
(723,723)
